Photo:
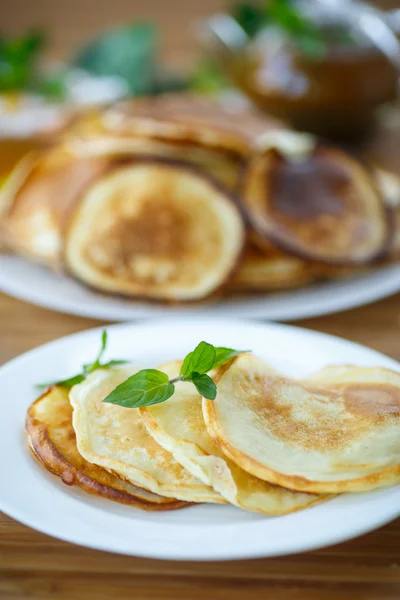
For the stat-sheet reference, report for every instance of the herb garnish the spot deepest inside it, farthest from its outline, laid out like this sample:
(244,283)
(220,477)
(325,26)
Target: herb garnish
(300,30)
(130,52)
(87,369)
(20,66)
(312,40)
(150,386)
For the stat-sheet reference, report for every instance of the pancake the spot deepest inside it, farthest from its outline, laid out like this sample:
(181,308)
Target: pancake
(389,184)
(52,440)
(11,184)
(178,426)
(50,183)
(195,129)
(159,127)
(238,123)
(149,127)
(116,439)
(154,228)
(218,164)
(321,206)
(262,271)
(338,431)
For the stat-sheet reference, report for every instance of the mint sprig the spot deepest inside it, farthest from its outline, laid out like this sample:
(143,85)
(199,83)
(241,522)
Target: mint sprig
(150,386)
(87,368)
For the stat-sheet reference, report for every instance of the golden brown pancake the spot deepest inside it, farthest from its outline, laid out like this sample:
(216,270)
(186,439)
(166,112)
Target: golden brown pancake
(14,181)
(389,185)
(337,431)
(157,229)
(213,162)
(186,127)
(115,438)
(321,206)
(262,271)
(238,124)
(178,426)
(52,440)
(39,205)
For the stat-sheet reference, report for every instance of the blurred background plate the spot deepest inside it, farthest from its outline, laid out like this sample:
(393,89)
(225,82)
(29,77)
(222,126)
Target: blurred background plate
(329,67)
(36,284)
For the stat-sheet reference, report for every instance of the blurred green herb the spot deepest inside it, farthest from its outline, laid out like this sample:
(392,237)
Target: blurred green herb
(311,40)
(18,60)
(128,52)
(251,17)
(303,32)
(52,86)
(207,78)
(20,66)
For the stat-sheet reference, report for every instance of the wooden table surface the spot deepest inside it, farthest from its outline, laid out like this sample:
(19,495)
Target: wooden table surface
(32,565)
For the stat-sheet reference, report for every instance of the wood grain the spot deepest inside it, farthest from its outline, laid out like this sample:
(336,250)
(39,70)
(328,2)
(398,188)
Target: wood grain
(34,566)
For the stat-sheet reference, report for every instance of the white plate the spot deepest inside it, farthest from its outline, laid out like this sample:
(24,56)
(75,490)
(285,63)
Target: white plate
(38,285)
(33,496)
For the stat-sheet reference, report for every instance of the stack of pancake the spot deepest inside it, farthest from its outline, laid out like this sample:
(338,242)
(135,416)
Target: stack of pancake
(267,443)
(178,199)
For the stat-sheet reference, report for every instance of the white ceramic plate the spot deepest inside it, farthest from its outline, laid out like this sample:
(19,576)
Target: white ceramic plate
(33,496)
(38,285)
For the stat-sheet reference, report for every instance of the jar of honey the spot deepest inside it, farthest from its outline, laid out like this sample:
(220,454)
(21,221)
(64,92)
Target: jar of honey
(334,93)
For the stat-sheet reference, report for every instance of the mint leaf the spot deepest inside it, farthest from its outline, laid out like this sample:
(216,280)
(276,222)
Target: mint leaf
(89,368)
(206,357)
(185,368)
(208,77)
(86,369)
(128,52)
(113,363)
(222,355)
(201,360)
(297,26)
(205,385)
(68,383)
(251,17)
(19,60)
(52,86)
(145,388)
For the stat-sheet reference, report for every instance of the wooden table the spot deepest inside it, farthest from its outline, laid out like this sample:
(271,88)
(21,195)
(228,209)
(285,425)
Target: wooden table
(33,565)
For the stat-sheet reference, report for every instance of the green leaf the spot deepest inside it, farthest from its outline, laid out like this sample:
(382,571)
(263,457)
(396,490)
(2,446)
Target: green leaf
(51,86)
(208,78)
(201,360)
(301,30)
(113,363)
(222,355)
(88,368)
(104,340)
(19,61)
(68,383)
(205,385)
(251,17)
(145,388)
(185,368)
(128,52)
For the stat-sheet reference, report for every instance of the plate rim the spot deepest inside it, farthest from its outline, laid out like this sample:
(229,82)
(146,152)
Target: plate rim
(234,553)
(310,307)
